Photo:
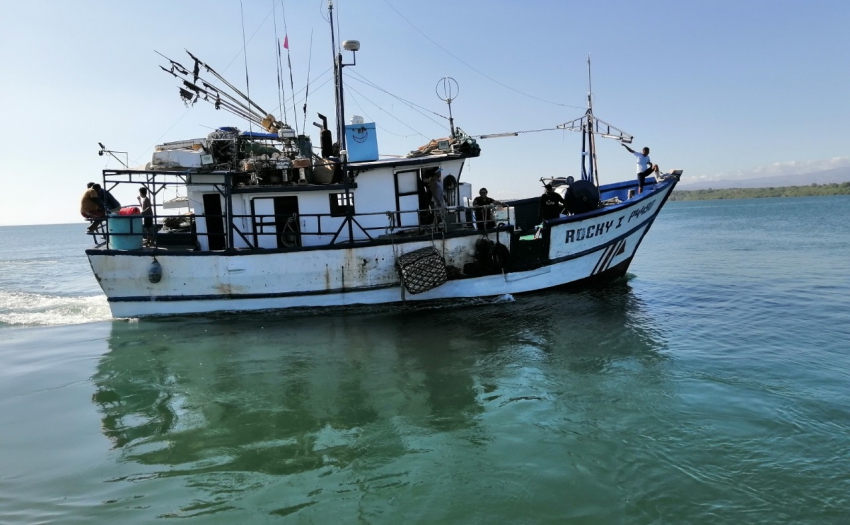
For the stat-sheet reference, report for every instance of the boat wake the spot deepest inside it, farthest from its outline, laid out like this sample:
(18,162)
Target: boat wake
(505,298)
(32,309)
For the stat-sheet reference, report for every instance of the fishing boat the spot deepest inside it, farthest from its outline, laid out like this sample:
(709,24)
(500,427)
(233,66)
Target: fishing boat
(272,222)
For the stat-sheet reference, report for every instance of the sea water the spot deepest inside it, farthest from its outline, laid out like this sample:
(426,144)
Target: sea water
(708,386)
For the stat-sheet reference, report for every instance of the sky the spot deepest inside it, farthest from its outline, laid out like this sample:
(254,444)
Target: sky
(720,89)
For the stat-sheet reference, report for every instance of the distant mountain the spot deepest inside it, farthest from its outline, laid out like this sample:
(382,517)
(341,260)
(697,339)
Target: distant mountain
(819,177)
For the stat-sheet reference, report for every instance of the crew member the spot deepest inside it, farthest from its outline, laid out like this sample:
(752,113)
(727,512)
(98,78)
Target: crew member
(644,165)
(91,208)
(436,187)
(483,211)
(107,201)
(147,214)
(551,204)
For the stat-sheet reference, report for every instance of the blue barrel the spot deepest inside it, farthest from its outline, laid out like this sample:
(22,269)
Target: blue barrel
(125,224)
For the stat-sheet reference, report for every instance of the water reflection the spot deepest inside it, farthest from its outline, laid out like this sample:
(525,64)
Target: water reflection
(238,402)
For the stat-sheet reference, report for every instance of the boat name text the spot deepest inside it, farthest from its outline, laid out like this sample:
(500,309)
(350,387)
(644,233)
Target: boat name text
(580,234)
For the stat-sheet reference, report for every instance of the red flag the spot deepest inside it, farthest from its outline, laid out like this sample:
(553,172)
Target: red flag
(286,42)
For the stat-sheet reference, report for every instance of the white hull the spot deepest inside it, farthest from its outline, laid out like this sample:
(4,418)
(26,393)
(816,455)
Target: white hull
(599,246)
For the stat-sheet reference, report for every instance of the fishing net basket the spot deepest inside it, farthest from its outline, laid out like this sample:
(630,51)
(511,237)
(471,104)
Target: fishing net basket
(421,270)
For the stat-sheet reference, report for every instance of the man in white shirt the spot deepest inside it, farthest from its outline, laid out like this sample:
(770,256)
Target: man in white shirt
(644,165)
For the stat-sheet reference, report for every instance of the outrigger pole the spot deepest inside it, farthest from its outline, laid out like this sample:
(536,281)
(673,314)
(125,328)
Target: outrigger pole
(590,126)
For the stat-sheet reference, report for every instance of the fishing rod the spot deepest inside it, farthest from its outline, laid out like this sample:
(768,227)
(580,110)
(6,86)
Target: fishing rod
(234,105)
(270,123)
(224,80)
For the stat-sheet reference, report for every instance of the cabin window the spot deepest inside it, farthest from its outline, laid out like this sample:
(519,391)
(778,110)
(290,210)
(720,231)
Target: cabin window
(341,204)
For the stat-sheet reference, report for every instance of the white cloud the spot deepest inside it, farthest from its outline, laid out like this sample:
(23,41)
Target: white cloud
(794,167)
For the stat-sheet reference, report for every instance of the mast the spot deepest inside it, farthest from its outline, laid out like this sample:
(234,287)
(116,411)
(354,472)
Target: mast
(589,126)
(339,93)
(337,58)
(592,175)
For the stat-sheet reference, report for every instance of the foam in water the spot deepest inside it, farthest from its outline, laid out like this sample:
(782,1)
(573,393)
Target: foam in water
(504,298)
(31,309)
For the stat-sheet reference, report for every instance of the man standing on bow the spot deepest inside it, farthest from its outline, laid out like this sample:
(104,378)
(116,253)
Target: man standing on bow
(644,165)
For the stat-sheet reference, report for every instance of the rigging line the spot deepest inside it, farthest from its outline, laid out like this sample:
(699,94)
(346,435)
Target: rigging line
(289,64)
(361,108)
(379,88)
(312,83)
(245,52)
(136,160)
(307,87)
(320,86)
(366,113)
(388,113)
(476,70)
(413,107)
(280,94)
(338,37)
(488,135)
(252,37)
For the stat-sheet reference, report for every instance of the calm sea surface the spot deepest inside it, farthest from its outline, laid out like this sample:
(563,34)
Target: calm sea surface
(710,386)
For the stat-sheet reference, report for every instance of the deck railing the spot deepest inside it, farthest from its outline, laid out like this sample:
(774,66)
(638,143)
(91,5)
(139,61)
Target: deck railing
(288,229)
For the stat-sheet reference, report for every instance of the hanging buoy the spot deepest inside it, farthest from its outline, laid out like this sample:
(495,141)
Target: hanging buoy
(155,272)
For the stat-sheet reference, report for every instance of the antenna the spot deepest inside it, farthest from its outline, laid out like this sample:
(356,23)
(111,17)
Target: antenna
(447,90)
(589,85)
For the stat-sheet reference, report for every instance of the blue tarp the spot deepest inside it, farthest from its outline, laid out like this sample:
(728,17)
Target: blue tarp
(259,136)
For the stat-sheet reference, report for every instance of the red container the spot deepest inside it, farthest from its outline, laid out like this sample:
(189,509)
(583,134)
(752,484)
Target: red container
(130,210)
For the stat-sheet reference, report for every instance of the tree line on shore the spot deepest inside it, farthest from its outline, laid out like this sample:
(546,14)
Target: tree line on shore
(813,190)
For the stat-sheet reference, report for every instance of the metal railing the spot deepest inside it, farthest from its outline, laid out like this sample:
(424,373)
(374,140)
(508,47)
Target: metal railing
(246,231)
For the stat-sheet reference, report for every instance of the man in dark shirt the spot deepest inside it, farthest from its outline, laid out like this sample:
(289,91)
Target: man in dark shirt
(483,211)
(107,201)
(551,204)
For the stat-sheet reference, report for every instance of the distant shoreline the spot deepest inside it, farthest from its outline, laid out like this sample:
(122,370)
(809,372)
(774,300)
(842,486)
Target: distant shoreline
(813,190)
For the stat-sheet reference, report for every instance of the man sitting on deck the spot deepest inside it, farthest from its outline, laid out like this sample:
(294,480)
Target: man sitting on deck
(483,211)
(107,201)
(91,208)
